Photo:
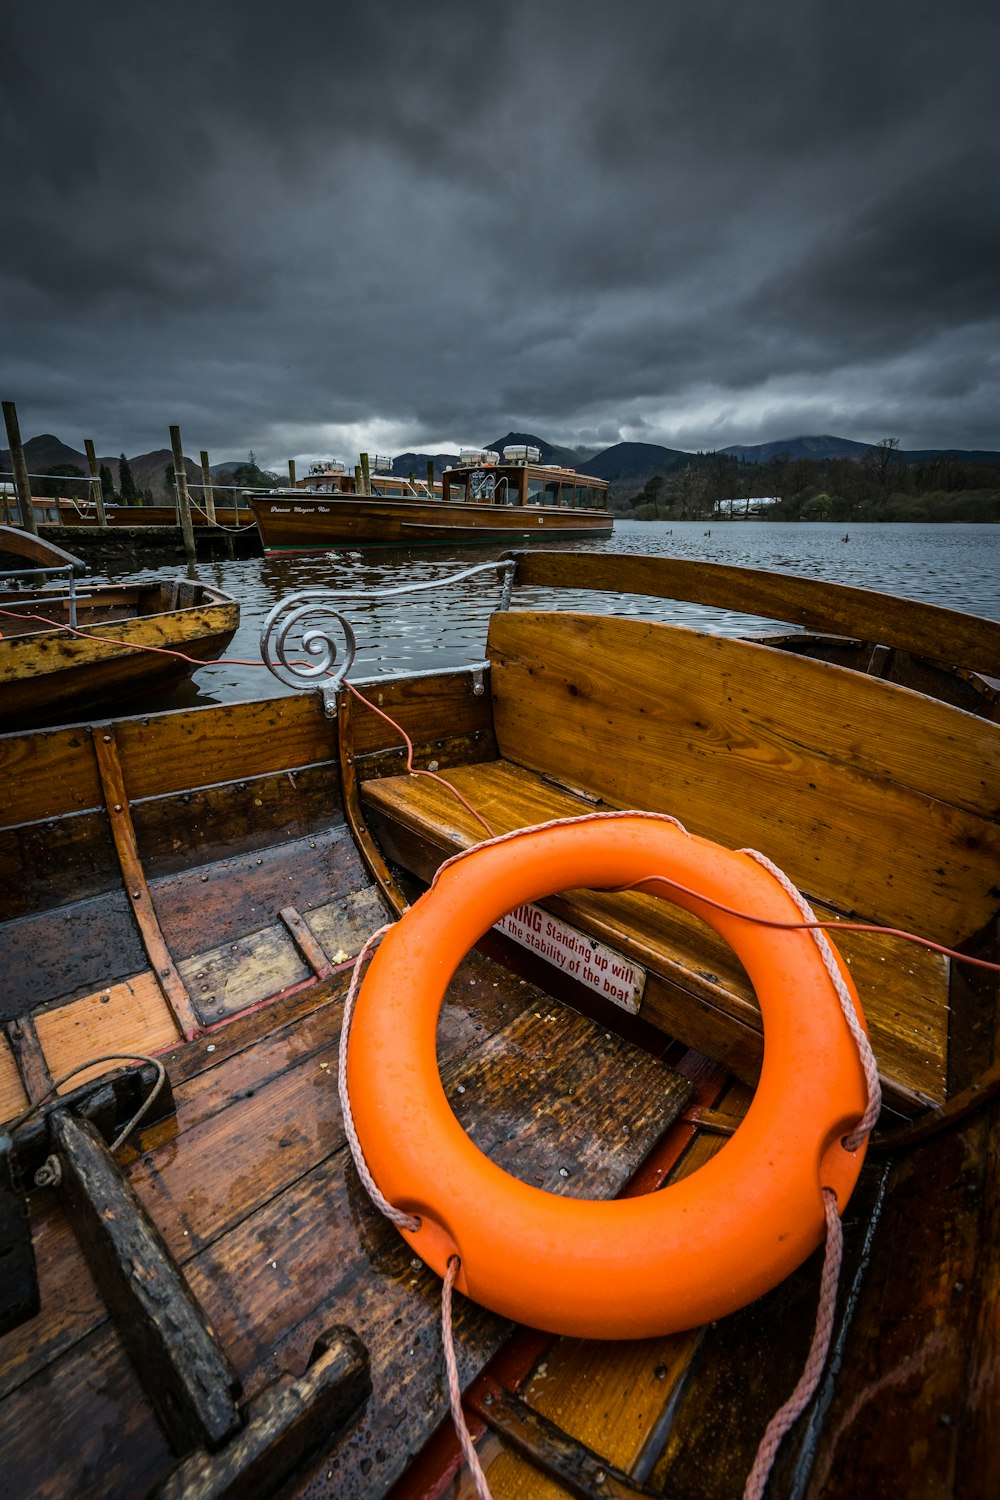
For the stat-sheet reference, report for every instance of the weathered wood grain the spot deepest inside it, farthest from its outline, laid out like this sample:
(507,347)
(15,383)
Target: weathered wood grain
(913,1412)
(51,863)
(279,1265)
(376,866)
(134,877)
(56,666)
(180,1364)
(287,1055)
(68,952)
(233,896)
(13,1097)
(128,1017)
(209,823)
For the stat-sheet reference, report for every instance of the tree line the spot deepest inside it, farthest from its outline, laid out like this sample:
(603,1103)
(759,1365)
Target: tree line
(881,486)
(53,485)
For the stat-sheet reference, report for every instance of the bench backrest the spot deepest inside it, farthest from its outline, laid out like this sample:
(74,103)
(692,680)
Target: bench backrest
(872,798)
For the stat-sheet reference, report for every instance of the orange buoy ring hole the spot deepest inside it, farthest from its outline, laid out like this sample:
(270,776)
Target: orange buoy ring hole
(630,1267)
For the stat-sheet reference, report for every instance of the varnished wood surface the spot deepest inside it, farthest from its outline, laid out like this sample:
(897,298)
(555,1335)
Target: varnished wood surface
(305,523)
(871,798)
(964,640)
(35,551)
(51,772)
(697,989)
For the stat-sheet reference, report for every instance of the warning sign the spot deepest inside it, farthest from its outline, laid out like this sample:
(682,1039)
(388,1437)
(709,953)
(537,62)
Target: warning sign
(598,967)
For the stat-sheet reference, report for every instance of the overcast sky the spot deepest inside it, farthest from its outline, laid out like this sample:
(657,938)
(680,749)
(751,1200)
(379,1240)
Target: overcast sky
(311,228)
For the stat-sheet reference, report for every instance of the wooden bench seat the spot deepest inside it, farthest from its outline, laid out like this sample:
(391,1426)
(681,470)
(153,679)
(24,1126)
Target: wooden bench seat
(880,804)
(696,988)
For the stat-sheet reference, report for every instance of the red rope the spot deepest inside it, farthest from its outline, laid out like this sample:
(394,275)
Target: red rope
(231,661)
(415,770)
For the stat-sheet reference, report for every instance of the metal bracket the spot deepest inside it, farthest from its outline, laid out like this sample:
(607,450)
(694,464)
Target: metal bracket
(25,1154)
(478,685)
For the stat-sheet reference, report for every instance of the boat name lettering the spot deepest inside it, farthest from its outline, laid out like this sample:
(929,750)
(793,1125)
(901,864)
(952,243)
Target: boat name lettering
(598,967)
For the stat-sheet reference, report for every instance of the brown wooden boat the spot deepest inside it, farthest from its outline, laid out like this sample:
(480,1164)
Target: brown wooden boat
(220,1310)
(68,648)
(482,501)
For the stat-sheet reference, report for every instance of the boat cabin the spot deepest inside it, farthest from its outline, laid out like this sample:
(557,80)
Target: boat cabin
(330,477)
(481,476)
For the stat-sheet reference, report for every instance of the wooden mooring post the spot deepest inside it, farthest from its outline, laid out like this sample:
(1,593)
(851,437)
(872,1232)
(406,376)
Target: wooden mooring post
(291,473)
(95,479)
(366,482)
(183,498)
(430,476)
(206,488)
(20,468)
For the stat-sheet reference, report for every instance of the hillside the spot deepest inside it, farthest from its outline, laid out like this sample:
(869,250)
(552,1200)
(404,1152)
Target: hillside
(798,447)
(416,463)
(635,461)
(628,467)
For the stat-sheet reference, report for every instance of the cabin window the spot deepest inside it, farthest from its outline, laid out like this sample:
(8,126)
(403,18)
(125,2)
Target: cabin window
(482,483)
(552,492)
(457,489)
(536,492)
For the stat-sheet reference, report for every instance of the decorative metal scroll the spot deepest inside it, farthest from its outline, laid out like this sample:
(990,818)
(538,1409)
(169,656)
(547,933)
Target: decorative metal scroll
(306,641)
(306,622)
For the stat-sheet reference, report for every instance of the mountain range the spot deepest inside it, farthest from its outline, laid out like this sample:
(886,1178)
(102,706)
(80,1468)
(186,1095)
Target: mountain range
(624,465)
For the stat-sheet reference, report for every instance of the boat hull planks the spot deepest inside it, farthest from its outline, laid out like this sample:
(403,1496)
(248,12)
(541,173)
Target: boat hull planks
(262,897)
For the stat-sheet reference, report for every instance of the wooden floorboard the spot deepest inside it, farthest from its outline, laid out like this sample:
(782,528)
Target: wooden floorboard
(255,1192)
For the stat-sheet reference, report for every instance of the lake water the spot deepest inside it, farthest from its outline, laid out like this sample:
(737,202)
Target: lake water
(956,566)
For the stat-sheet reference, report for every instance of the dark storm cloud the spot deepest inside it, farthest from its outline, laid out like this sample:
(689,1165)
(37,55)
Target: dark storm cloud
(697,222)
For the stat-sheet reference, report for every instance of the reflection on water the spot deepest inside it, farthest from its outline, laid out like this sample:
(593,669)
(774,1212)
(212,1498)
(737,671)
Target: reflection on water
(957,566)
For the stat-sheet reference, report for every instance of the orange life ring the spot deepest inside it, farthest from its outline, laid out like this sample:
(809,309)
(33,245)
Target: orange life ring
(630,1267)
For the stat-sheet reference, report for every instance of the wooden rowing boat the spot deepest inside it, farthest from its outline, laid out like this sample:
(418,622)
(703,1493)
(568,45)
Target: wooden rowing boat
(67,649)
(219,1308)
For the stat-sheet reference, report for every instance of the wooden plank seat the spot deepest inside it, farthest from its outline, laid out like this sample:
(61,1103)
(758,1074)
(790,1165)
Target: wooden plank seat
(819,768)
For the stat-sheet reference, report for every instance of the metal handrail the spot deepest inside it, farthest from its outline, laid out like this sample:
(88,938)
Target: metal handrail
(71,598)
(312,614)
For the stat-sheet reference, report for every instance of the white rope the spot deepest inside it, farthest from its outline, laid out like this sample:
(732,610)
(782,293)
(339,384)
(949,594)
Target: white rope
(808,1381)
(867,1056)
(394,1215)
(815,1360)
(454,1389)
